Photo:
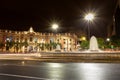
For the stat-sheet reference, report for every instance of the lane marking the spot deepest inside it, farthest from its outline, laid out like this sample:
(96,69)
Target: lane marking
(21,76)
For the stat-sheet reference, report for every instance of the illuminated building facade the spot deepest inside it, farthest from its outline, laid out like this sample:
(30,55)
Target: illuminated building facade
(35,41)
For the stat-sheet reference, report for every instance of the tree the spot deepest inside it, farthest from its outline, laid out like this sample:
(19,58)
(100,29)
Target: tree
(84,44)
(101,43)
(115,40)
(9,45)
(25,44)
(41,46)
(2,45)
(53,44)
(47,46)
(17,46)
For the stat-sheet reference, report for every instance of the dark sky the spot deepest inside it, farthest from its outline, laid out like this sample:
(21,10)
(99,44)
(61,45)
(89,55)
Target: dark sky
(21,14)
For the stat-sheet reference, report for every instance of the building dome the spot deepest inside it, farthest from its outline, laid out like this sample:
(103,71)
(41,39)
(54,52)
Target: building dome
(31,30)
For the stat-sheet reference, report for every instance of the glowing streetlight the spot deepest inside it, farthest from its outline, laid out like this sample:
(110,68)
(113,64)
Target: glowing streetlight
(55,26)
(108,39)
(83,38)
(89,17)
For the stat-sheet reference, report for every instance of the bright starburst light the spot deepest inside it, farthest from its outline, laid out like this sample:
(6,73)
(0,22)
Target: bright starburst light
(89,17)
(54,26)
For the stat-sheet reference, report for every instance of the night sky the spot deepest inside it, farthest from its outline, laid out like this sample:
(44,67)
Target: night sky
(69,14)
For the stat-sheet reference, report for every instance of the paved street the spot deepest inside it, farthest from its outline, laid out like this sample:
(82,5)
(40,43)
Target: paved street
(34,70)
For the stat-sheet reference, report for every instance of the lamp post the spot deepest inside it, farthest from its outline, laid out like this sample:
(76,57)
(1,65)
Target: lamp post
(55,27)
(89,17)
(108,41)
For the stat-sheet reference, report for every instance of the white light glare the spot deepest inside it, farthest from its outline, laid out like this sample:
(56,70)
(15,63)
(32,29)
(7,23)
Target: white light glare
(55,65)
(108,39)
(89,17)
(55,26)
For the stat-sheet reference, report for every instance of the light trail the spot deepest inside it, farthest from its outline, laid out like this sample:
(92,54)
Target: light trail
(21,76)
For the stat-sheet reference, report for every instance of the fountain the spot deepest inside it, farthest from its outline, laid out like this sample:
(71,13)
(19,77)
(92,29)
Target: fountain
(93,44)
(58,49)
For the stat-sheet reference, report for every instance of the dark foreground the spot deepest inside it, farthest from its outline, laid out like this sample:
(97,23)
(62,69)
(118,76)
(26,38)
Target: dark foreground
(35,70)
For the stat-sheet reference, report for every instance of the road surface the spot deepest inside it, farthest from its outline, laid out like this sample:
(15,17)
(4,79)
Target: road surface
(35,70)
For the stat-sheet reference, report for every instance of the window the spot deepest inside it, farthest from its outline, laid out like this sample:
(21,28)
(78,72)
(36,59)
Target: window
(50,41)
(31,39)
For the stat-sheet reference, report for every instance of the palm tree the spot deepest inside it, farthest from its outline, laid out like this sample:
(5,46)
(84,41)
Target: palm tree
(42,46)
(17,46)
(25,44)
(53,45)
(47,46)
(2,45)
(38,45)
(21,44)
(9,45)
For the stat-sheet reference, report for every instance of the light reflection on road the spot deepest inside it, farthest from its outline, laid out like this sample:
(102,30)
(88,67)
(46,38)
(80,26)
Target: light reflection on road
(19,70)
(91,71)
(83,71)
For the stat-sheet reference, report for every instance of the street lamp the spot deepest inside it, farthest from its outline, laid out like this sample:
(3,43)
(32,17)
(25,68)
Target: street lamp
(89,17)
(55,26)
(108,39)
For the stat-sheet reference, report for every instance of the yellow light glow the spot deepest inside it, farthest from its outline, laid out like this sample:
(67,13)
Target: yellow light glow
(83,38)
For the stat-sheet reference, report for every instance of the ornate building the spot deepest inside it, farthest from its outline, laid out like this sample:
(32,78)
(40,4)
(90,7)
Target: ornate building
(35,41)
